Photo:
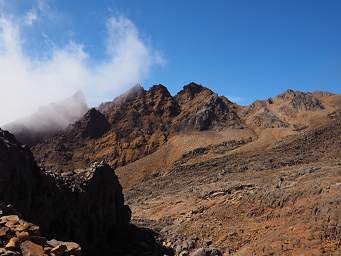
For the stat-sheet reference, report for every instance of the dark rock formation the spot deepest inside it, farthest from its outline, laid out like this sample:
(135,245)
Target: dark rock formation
(86,206)
(92,125)
(202,109)
(17,172)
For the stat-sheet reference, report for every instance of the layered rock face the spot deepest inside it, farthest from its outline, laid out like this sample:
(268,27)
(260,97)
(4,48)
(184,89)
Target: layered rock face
(86,206)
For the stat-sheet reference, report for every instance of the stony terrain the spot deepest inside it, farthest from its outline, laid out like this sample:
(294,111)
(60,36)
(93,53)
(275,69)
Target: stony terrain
(284,201)
(19,237)
(210,177)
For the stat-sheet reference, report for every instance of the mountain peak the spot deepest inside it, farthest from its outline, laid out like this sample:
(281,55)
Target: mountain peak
(161,89)
(135,91)
(92,125)
(190,91)
(193,88)
(297,100)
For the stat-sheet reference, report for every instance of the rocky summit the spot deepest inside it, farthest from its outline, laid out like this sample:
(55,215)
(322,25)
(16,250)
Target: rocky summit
(201,175)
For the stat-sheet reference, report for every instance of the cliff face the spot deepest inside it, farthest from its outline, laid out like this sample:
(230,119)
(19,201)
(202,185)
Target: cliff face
(85,206)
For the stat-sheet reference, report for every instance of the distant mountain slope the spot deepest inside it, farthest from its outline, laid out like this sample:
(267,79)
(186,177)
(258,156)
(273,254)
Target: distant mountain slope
(141,122)
(284,110)
(48,119)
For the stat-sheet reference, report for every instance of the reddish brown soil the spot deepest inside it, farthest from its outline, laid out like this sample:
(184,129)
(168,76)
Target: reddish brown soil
(280,201)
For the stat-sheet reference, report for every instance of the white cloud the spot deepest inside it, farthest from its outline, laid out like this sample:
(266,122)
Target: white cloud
(27,82)
(30,17)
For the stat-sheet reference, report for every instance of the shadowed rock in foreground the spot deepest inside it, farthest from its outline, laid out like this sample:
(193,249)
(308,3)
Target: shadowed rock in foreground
(86,206)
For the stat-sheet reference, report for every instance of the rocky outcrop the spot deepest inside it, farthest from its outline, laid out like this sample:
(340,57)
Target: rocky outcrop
(201,109)
(91,203)
(283,111)
(211,114)
(85,206)
(135,91)
(259,116)
(92,125)
(299,101)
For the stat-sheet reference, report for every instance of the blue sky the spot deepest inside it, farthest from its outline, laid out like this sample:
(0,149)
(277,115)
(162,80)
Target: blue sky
(245,50)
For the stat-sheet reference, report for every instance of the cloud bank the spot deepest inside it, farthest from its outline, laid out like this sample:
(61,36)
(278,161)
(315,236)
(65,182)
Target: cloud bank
(28,82)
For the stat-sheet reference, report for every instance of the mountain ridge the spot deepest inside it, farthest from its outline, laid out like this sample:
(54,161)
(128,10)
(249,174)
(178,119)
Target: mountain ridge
(140,122)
